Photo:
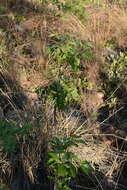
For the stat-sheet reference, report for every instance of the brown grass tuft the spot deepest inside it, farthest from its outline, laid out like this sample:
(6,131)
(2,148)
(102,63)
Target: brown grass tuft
(107,24)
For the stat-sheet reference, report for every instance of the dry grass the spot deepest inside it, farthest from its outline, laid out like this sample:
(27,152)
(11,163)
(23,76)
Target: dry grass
(101,25)
(107,24)
(102,157)
(31,147)
(104,24)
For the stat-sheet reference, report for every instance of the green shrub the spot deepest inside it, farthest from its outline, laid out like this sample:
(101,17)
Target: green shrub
(61,93)
(75,7)
(64,163)
(115,77)
(67,50)
(118,66)
(8,135)
(67,55)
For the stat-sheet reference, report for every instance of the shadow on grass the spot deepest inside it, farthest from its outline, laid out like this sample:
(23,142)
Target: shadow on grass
(11,98)
(16,175)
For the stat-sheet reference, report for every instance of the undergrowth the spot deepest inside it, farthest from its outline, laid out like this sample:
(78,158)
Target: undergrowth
(64,163)
(67,55)
(67,71)
(9,132)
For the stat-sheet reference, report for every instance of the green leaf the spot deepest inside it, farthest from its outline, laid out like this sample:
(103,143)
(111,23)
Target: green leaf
(50,161)
(54,156)
(69,155)
(75,94)
(86,168)
(87,55)
(62,171)
(80,141)
(66,188)
(69,144)
(72,170)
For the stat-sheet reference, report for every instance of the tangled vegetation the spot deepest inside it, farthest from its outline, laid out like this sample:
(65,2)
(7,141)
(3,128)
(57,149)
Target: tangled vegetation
(63,89)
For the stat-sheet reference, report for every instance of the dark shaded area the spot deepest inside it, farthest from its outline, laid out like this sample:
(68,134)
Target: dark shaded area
(11,94)
(12,97)
(115,114)
(113,124)
(83,181)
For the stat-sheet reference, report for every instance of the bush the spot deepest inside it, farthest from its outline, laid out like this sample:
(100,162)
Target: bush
(9,132)
(67,55)
(64,163)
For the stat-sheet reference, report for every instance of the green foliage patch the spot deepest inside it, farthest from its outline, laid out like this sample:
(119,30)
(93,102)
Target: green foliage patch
(8,135)
(118,66)
(75,7)
(67,50)
(64,163)
(115,80)
(67,55)
(61,93)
